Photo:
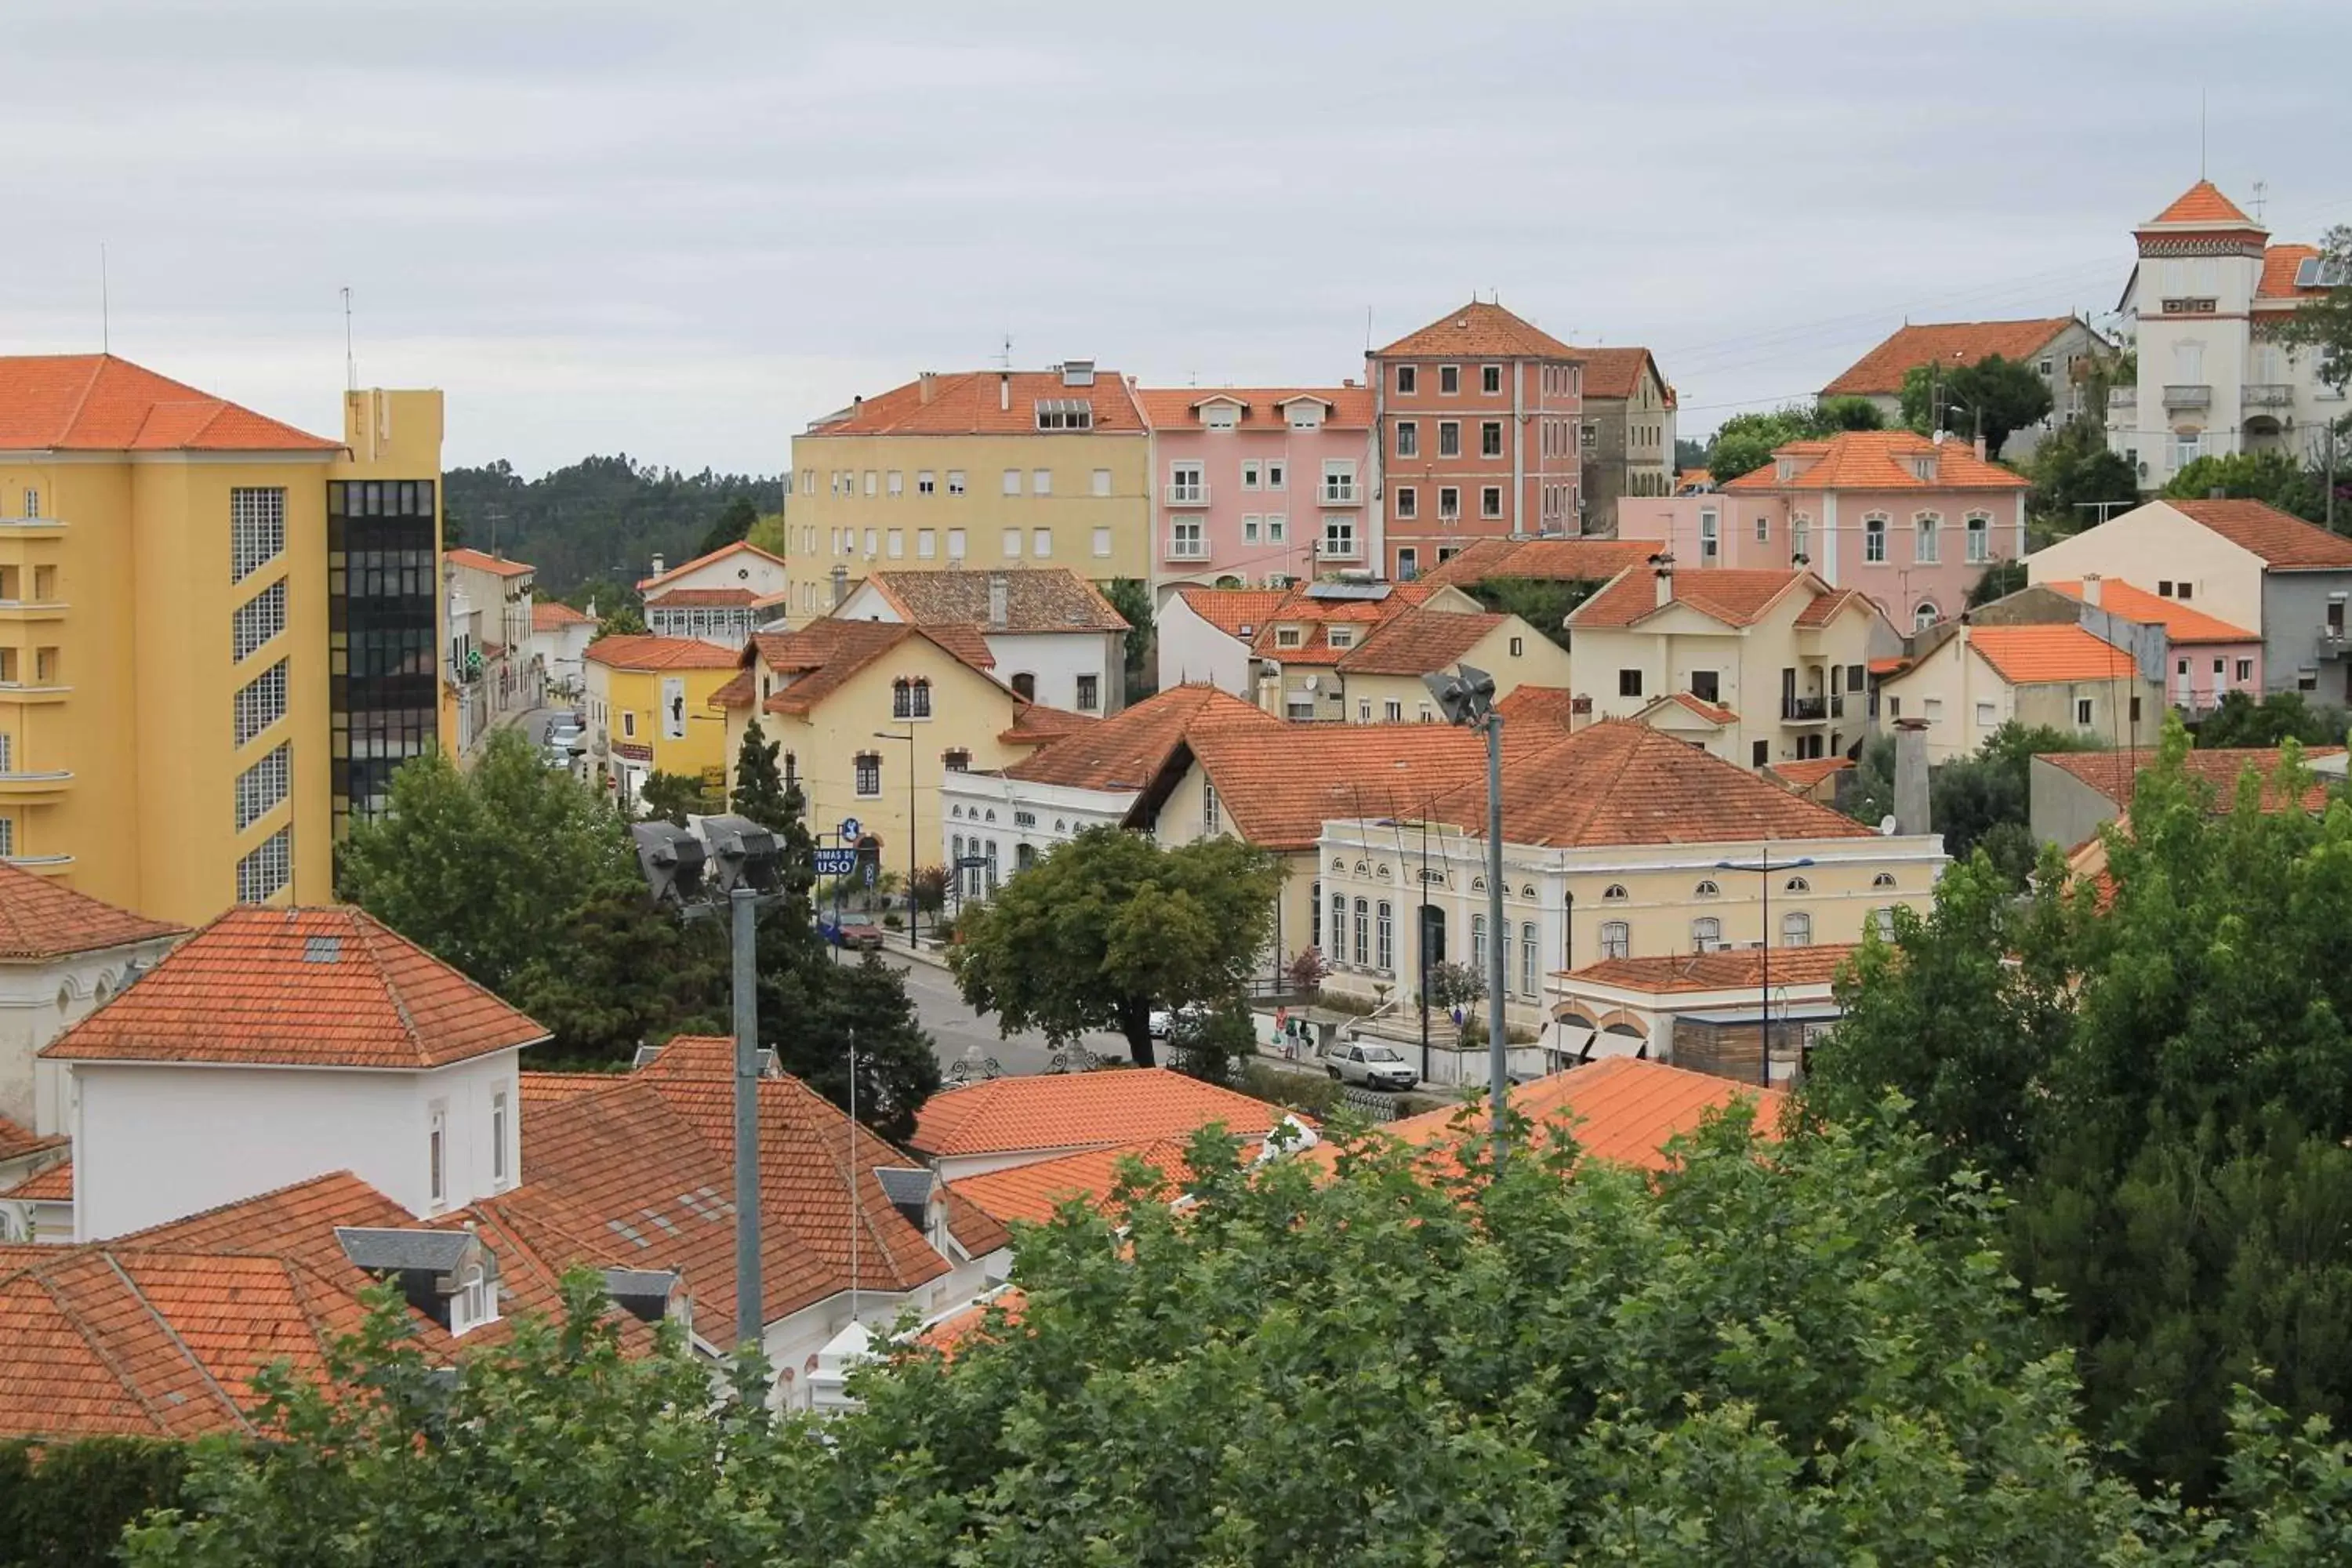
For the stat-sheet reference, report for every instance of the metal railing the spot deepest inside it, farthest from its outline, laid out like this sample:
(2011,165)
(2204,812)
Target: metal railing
(1189,494)
(1804,710)
(1188,550)
(2269,395)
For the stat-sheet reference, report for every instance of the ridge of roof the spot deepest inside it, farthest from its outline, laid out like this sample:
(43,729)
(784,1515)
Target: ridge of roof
(1880,373)
(1481,327)
(2181,623)
(101,403)
(2284,541)
(1870,460)
(647,650)
(987,402)
(1172,408)
(1130,748)
(1418,640)
(734,547)
(41,918)
(1733,596)
(497,565)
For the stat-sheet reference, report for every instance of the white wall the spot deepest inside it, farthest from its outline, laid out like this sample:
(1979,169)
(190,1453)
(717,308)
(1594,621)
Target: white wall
(988,808)
(1193,650)
(1057,660)
(154,1143)
(39,1001)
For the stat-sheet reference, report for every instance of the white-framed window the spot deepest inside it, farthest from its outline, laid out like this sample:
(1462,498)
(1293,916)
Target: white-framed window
(1616,939)
(1277,474)
(1490,500)
(256,529)
(1220,416)
(1187,484)
(1184,540)
(1289,637)
(1449,437)
(1763,529)
(1408,380)
(955,544)
(7,835)
(1363,933)
(1340,534)
(1277,527)
(1041,482)
(1407,502)
(927,544)
(1338,928)
(1706,933)
(260,787)
(1090,693)
(2245,670)
(873,543)
(1490,379)
(1252,475)
(1012,481)
(1392,710)
(1449,504)
(1801,536)
(1531,960)
(1250,528)
(897,485)
(257,620)
(1796,929)
(498,1138)
(1873,539)
(1928,548)
(1041,543)
(910,699)
(1102,481)
(1980,534)
(896,544)
(1340,636)
(1102,541)
(1339,479)
(1478,944)
(868,774)
(437,1155)
(1710,542)
(1988,716)
(267,867)
(869,482)
(32,503)
(925,482)
(1384,954)
(1449,380)
(955,482)
(2187,446)
(1926,616)
(1012,543)
(1490,438)
(1408,438)
(2083,711)
(261,702)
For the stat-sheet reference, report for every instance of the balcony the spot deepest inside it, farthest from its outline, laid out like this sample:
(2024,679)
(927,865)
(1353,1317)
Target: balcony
(1188,550)
(1192,494)
(1805,709)
(2122,397)
(2196,396)
(1339,550)
(32,528)
(18,611)
(32,788)
(1340,492)
(23,691)
(43,864)
(2269,395)
(2330,642)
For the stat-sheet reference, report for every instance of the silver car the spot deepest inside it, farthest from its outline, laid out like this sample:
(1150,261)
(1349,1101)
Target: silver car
(1374,1066)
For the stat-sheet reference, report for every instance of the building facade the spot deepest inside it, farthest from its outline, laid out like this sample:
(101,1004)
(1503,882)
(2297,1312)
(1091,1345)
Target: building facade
(220,635)
(720,598)
(648,701)
(1052,637)
(560,636)
(1260,487)
(2061,349)
(1627,445)
(1970,681)
(1477,434)
(496,596)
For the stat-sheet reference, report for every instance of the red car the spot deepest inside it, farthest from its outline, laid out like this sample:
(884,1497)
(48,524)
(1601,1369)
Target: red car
(855,934)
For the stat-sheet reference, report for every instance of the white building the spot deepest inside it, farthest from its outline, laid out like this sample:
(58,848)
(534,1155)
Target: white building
(2206,302)
(498,597)
(61,954)
(1054,639)
(722,598)
(559,635)
(1204,634)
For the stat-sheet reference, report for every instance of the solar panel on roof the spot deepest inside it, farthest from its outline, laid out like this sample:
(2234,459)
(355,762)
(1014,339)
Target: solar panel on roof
(2318,272)
(1372,591)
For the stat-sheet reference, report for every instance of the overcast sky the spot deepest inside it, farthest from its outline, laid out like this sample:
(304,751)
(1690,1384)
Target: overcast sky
(682,231)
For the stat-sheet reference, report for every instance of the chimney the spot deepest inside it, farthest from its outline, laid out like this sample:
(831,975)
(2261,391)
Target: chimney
(1003,390)
(2219,492)
(1000,595)
(658,565)
(840,585)
(2092,586)
(1980,450)
(1911,776)
(927,386)
(1663,563)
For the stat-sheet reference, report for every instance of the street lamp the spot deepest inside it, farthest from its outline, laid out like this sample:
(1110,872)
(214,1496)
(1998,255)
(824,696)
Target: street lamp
(729,863)
(1466,698)
(1765,866)
(1420,923)
(914,916)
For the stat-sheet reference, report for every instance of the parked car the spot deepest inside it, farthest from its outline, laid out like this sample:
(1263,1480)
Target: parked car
(1374,1066)
(854,934)
(1163,1020)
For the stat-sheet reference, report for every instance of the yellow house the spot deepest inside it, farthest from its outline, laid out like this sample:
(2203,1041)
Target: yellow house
(873,715)
(650,709)
(219,634)
(1753,666)
(975,470)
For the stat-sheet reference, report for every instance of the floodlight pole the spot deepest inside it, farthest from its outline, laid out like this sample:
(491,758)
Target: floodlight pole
(742,919)
(1498,1087)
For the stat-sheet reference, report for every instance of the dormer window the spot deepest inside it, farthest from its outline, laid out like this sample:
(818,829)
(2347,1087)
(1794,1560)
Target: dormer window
(1342,636)
(1924,466)
(1304,413)
(1221,413)
(1289,637)
(1064,414)
(1784,469)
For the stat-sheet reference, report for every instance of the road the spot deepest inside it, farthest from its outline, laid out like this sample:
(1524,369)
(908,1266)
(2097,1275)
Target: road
(959,1030)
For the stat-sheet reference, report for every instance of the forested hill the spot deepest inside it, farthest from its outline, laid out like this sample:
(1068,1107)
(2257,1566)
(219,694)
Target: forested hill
(602,518)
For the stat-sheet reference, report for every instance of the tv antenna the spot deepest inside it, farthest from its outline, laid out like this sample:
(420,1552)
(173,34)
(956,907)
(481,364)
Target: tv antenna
(2261,196)
(1005,354)
(350,364)
(105,307)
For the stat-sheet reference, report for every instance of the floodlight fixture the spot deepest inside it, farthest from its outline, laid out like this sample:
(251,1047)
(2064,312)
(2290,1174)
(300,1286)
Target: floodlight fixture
(671,860)
(738,853)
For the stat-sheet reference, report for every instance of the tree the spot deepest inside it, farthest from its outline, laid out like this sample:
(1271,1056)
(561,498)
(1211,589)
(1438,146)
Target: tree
(2325,323)
(733,523)
(1998,581)
(929,888)
(2282,716)
(1745,441)
(1111,925)
(673,797)
(1849,414)
(2273,477)
(1211,1044)
(758,792)
(1543,603)
(1992,398)
(1131,597)
(601,517)
(1454,985)
(2074,473)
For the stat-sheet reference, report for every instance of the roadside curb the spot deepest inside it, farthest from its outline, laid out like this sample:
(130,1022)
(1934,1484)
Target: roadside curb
(893,942)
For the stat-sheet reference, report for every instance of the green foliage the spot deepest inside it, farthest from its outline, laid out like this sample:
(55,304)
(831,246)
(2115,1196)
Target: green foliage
(1998,581)
(1849,414)
(2270,476)
(1131,597)
(770,534)
(674,797)
(65,1505)
(1992,398)
(733,523)
(1984,799)
(601,517)
(929,888)
(625,619)
(1540,602)
(759,789)
(2282,716)
(2072,471)
(1110,926)
(1453,984)
(1869,797)
(2326,323)
(1315,1094)
(1744,441)
(1212,1046)
(1689,453)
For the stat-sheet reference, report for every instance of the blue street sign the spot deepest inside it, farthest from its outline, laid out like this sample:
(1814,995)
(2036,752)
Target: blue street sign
(852,829)
(871,870)
(836,862)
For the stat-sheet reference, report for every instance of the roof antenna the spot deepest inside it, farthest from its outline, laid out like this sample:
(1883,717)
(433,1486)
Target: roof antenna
(1005,355)
(350,364)
(105,306)
(2200,132)
(1368,328)
(2261,195)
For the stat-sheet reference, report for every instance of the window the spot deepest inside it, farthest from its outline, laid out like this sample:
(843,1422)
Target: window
(1185,485)
(1490,500)
(927,544)
(869,481)
(1796,929)
(1012,481)
(1384,958)
(1979,530)
(1012,544)
(498,1138)
(32,503)
(955,482)
(258,619)
(1589,438)
(1041,482)
(1090,693)
(1758,753)
(1340,637)
(2083,711)
(257,530)
(924,482)
(1339,533)
(1884,880)
(1490,379)
(1478,944)
(1873,539)
(1797,885)
(1710,539)
(1706,933)
(261,703)
(1986,717)
(1339,479)
(896,542)
(1251,475)
(1289,637)
(1408,380)
(1449,380)
(1928,549)
(1530,960)
(1392,710)
(1706,684)
(1102,481)
(1883,921)
(2245,670)
(1629,683)
(1449,503)
(1800,538)
(7,835)
(955,543)
(1276,528)
(1926,616)
(1490,438)
(261,786)
(268,868)
(1707,889)
(897,485)
(2188,591)
(1186,542)
(873,543)
(1408,503)
(1408,564)
(1616,939)
(1449,437)
(2163,587)
(2187,446)
(1364,933)
(910,699)
(869,773)
(628,724)
(1518,646)
(1763,530)
(436,1157)
(957,761)
(1041,542)
(1339,927)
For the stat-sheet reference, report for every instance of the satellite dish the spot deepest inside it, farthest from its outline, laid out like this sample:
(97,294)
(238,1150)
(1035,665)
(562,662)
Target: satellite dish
(1887,827)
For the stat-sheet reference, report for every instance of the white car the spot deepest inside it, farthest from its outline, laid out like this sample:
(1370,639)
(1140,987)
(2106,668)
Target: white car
(1163,1020)
(1374,1066)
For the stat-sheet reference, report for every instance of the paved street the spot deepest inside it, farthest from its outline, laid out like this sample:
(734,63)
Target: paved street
(957,1028)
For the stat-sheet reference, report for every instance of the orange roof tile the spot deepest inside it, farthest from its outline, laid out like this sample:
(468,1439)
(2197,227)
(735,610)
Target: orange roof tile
(1543,560)
(1263,407)
(1713,713)
(1036,599)
(2181,623)
(2202,203)
(1279,786)
(1624,1110)
(498,566)
(2115,774)
(99,403)
(1538,706)
(739,547)
(1418,641)
(40,918)
(1826,607)
(298,988)
(1617,783)
(551,615)
(821,657)
(1805,773)
(1033,1193)
(1731,969)
(1693,478)
(986,403)
(1615,372)
(1879,460)
(2285,543)
(1081,1110)
(17,1141)
(1314,615)
(1237,612)
(1735,595)
(1480,330)
(1130,748)
(2279,264)
(51,1184)
(1034,724)
(638,650)
(701,599)
(2031,655)
(1880,373)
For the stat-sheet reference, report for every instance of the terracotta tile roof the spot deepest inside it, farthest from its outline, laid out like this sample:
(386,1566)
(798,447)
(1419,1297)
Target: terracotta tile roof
(1418,641)
(954,1329)
(2181,623)
(986,403)
(822,656)
(2115,773)
(1879,460)
(474,561)
(1314,616)
(1532,706)
(2285,543)
(1031,1194)
(52,1183)
(1730,969)
(739,547)
(1615,372)
(1034,724)
(1036,599)
(2280,264)
(1827,606)
(1130,748)
(1543,559)
(639,651)
(99,403)
(17,1141)
(1236,612)
(552,615)
(40,918)
(1693,478)
(1175,407)
(1713,713)
(1806,772)
(1480,330)
(1278,787)
(2204,203)
(1895,666)
(1623,1109)
(701,599)
(1880,373)
(1081,1110)
(2031,655)
(1735,595)
(299,987)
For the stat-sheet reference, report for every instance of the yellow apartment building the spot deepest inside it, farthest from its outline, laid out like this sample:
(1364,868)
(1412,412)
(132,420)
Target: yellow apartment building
(976,471)
(218,634)
(649,711)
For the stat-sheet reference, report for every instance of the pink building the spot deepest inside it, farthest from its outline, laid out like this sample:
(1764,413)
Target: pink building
(2206,658)
(1911,523)
(1480,417)
(1259,487)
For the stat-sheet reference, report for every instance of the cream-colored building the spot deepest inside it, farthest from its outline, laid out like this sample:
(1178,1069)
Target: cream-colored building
(1752,665)
(1295,647)
(489,614)
(1380,679)
(1966,681)
(720,598)
(972,471)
